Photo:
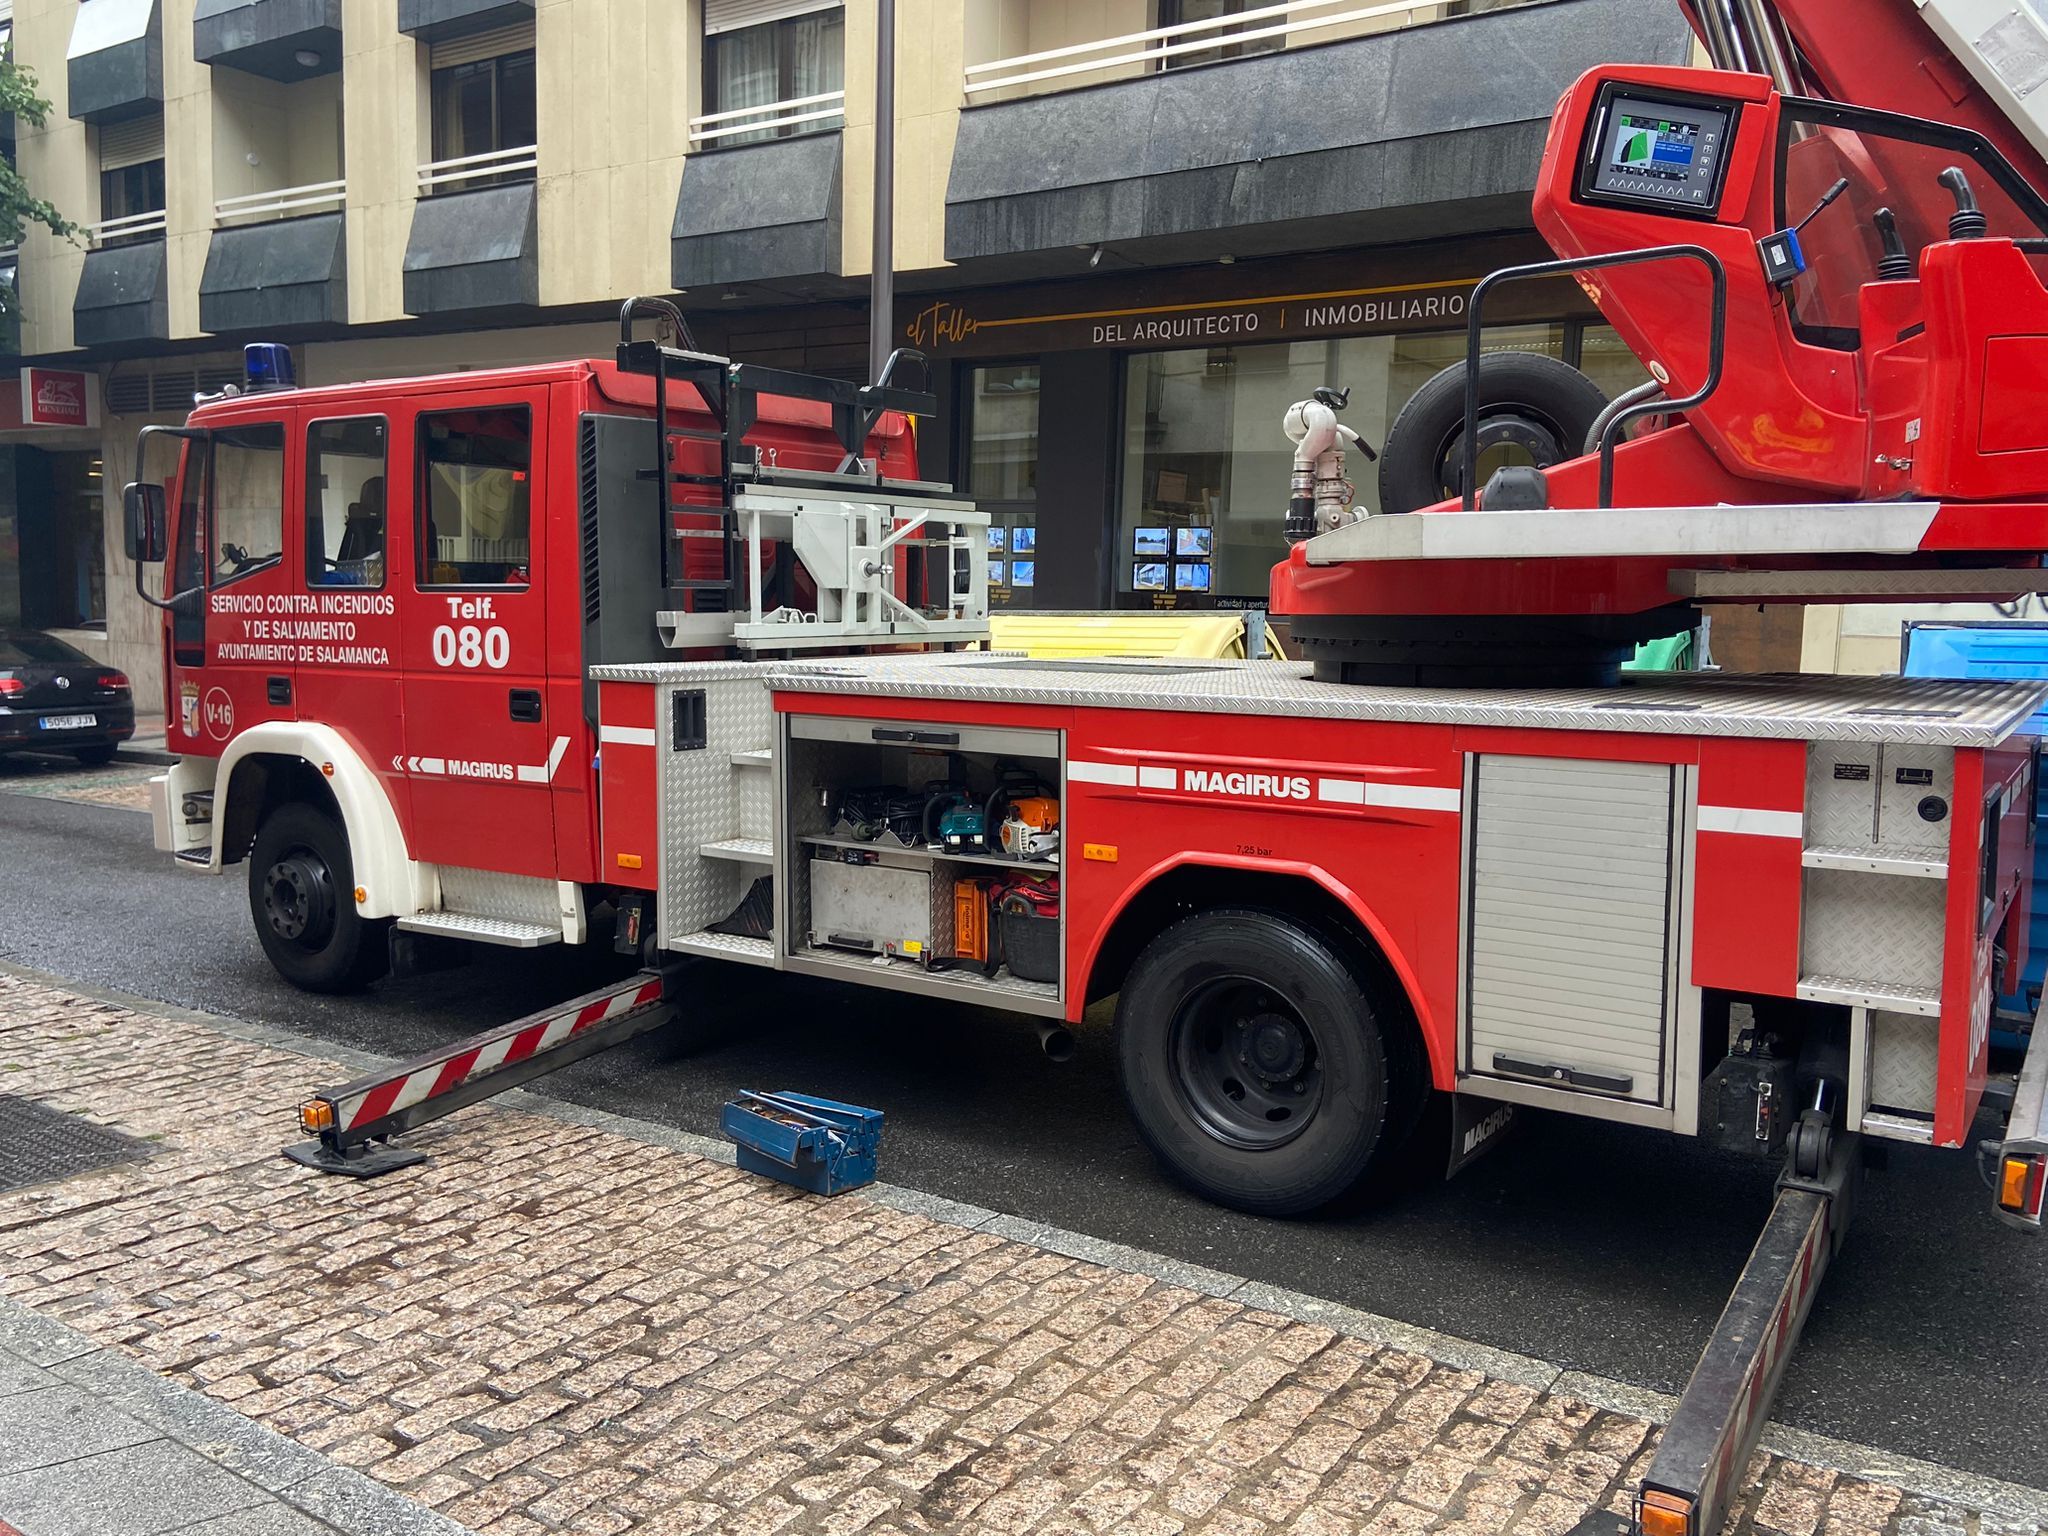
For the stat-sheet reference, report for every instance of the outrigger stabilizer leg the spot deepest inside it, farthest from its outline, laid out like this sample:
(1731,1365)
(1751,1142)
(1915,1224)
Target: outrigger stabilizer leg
(1700,1460)
(353,1124)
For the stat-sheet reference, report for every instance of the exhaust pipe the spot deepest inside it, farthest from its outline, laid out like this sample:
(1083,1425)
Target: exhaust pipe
(1057,1041)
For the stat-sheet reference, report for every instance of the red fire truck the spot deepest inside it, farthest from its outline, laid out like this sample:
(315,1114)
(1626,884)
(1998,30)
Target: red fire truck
(685,642)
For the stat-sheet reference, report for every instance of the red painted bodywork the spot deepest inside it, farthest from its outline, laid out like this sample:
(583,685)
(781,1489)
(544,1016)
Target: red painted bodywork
(409,705)
(1397,871)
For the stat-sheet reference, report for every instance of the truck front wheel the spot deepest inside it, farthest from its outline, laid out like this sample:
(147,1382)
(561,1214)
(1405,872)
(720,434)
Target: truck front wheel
(1253,1061)
(302,897)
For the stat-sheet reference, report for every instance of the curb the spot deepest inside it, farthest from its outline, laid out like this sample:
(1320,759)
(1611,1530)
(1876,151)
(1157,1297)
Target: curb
(1991,1495)
(346,1499)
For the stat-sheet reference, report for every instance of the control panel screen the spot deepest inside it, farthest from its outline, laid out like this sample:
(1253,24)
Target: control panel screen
(1666,153)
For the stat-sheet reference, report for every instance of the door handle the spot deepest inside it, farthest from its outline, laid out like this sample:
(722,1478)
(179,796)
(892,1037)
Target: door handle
(278,689)
(526,704)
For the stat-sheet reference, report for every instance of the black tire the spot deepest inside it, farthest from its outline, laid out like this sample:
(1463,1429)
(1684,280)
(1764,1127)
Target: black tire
(1212,1005)
(1535,406)
(94,757)
(302,900)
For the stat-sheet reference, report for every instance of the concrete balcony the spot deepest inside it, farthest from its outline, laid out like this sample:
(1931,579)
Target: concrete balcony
(758,212)
(114,64)
(1396,135)
(288,40)
(474,252)
(273,266)
(434,21)
(123,294)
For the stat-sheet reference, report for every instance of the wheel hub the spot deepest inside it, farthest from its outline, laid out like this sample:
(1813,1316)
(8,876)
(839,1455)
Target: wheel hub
(298,899)
(1246,1063)
(1272,1047)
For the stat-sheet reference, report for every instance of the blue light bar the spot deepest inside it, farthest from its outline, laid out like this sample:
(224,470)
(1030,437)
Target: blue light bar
(267,365)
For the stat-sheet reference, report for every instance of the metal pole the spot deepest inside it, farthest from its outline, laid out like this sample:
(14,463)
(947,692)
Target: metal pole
(882,290)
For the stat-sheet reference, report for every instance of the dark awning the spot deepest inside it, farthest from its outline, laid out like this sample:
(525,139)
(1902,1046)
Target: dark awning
(122,296)
(267,37)
(114,66)
(473,251)
(1427,131)
(277,276)
(758,211)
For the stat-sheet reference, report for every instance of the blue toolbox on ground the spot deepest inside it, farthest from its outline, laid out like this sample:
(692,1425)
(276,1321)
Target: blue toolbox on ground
(816,1144)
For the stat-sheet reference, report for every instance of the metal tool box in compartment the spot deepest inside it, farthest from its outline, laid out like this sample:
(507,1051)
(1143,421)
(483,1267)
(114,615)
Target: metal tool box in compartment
(874,887)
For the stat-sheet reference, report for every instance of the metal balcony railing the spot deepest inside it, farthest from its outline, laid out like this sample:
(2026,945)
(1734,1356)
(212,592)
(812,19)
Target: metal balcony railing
(772,116)
(281,203)
(515,164)
(133,226)
(1162,46)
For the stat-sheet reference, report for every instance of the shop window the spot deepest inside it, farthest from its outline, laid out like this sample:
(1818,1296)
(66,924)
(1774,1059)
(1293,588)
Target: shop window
(56,558)
(1001,423)
(475,493)
(247,493)
(1173,13)
(483,106)
(787,59)
(345,503)
(1206,464)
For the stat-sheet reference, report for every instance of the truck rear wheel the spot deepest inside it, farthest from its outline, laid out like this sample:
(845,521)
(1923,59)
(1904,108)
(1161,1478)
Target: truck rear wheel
(302,897)
(1254,1062)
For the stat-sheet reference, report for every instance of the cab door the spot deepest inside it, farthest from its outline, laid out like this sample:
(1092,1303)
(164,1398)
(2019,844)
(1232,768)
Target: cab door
(233,651)
(480,751)
(356,561)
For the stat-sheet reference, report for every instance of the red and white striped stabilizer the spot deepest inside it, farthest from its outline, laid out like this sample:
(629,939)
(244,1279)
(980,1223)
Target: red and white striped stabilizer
(369,1100)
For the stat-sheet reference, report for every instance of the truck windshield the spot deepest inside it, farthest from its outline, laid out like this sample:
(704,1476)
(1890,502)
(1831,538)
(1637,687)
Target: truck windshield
(1891,162)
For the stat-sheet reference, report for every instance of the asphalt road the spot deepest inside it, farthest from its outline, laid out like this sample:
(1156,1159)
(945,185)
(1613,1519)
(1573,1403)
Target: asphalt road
(1597,1248)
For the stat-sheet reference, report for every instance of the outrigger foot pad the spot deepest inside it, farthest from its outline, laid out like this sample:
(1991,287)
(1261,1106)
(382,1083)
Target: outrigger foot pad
(361,1162)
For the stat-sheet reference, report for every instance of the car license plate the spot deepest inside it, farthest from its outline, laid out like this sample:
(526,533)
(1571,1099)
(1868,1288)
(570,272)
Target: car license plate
(67,722)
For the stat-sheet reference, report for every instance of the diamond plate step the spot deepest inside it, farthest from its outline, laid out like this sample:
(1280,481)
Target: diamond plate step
(481,930)
(743,850)
(760,757)
(1874,861)
(1887,995)
(726,946)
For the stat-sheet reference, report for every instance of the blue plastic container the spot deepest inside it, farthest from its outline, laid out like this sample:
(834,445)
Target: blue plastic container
(2011,648)
(816,1144)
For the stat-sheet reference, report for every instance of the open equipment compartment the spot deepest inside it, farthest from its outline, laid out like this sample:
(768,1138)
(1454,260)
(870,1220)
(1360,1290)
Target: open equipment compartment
(869,893)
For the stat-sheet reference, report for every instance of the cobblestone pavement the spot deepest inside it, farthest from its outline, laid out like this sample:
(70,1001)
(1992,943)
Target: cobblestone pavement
(125,786)
(555,1328)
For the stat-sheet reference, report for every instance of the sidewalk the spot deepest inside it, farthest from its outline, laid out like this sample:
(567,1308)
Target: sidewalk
(93,1444)
(567,1322)
(147,744)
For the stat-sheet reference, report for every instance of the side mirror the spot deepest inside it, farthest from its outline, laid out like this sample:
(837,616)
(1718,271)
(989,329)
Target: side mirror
(143,505)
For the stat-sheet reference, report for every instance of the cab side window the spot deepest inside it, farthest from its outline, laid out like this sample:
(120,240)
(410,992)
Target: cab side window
(475,498)
(345,464)
(247,493)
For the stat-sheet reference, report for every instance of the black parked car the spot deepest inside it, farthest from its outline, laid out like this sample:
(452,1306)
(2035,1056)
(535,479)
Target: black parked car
(55,698)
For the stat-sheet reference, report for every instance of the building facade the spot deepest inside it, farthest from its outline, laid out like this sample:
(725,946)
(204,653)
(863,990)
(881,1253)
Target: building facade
(1127,232)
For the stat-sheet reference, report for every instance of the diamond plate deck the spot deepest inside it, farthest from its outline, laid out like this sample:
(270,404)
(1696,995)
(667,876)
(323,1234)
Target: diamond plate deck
(39,1145)
(1961,712)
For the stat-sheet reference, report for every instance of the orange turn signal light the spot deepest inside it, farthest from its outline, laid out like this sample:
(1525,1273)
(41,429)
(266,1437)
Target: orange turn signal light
(315,1116)
(629,861)
(1101,853)
(2020,1180)
(1664,1514)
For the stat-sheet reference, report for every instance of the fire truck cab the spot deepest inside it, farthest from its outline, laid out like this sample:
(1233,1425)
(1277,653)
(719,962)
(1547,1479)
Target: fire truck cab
(382,603)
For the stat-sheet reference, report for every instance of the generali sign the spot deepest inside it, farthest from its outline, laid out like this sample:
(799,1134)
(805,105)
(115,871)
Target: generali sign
(59,397)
